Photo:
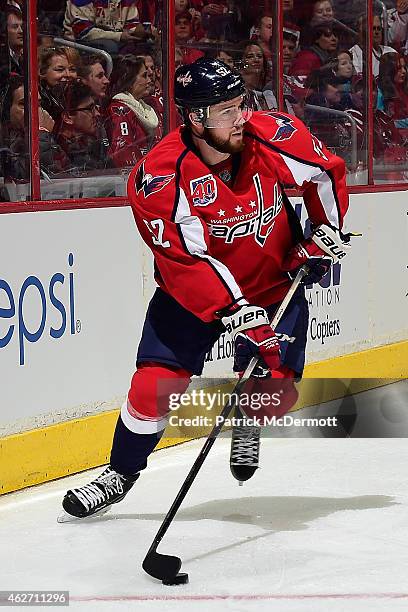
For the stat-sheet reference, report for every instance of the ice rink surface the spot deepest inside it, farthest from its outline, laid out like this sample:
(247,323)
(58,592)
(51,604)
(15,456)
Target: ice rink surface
(322,526)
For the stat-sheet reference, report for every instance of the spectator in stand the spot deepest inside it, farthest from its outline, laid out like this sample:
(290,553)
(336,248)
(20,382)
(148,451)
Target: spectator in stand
(393,90)
(131,123)
(390,149)
(15,39)
(54,66)
(51,15)
(74,62)
(325,91)
(333,130)
(180,6)
(183,28)
(183,6)
(93,75)
(225,55)
(263,35)
(291,36)
(254,72)
(324,45)
(389,145)
(14,159)
(158,88)
(289,15)
(104,25)
(147,57)
(79,132)
(398,26)
(154,97)
(322,10)
(184,39)
(45,38)
(293,91)
(294,99)
(344,71)
(54,74)
(218,20)
(378,48)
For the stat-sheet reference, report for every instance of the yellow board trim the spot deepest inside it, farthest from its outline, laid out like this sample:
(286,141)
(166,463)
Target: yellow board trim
(40,455)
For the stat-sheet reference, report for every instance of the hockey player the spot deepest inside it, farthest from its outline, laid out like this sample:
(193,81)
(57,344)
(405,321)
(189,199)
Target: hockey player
(209,202)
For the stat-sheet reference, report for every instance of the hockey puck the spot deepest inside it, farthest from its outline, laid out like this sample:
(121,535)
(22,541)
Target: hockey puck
(181,578)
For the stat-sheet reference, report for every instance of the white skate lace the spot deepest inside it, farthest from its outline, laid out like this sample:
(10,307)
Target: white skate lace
(91,495)
(245,446)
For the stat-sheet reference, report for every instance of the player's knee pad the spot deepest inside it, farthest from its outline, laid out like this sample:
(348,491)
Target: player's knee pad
(151,387)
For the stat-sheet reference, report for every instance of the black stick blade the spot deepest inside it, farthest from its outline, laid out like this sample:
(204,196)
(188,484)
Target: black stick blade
(162,567)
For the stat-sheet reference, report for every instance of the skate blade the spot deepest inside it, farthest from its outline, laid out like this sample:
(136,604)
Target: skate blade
(69,518)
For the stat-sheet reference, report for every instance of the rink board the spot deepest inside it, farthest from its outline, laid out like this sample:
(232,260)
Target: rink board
(74,286)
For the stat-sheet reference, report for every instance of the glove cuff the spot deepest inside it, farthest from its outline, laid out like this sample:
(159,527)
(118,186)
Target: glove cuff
(330,241)
(247,317)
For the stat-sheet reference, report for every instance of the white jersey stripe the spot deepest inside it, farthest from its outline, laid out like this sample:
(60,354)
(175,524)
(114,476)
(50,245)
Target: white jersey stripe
(193,235)
(303,172)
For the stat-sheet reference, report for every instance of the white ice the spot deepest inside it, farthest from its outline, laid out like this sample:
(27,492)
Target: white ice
(322,526)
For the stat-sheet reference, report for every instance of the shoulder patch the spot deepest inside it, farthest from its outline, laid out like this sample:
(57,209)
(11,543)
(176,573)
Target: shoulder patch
(203,190)
(285,127)
(150,184)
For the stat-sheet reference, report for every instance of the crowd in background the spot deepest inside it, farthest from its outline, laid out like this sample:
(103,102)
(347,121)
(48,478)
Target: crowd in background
(93,117)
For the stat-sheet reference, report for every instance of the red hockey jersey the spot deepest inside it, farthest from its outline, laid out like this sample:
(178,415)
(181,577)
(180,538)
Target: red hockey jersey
(128,139)
(214,244)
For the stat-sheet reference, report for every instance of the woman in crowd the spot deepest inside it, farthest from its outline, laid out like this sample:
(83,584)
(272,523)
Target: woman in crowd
(54,66)
(344,72)
(318,12)
(131,123)
(14,159)
(323,49)
(74,62)
(393,90)
(254,72)
(322,10)
(55,72)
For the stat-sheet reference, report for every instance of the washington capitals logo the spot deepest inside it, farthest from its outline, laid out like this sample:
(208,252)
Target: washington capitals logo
(150,184)
(285,125)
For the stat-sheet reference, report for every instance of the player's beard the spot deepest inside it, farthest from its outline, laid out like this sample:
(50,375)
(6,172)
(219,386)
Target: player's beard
(223,145)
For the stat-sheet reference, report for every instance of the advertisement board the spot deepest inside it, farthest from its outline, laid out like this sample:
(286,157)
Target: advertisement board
(74,287)
(71,308)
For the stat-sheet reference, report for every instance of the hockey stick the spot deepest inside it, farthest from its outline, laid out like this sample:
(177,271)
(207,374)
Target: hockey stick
(166,567)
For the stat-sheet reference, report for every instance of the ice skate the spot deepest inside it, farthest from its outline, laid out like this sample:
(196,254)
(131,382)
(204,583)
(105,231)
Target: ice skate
(97,496)
(245,445)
